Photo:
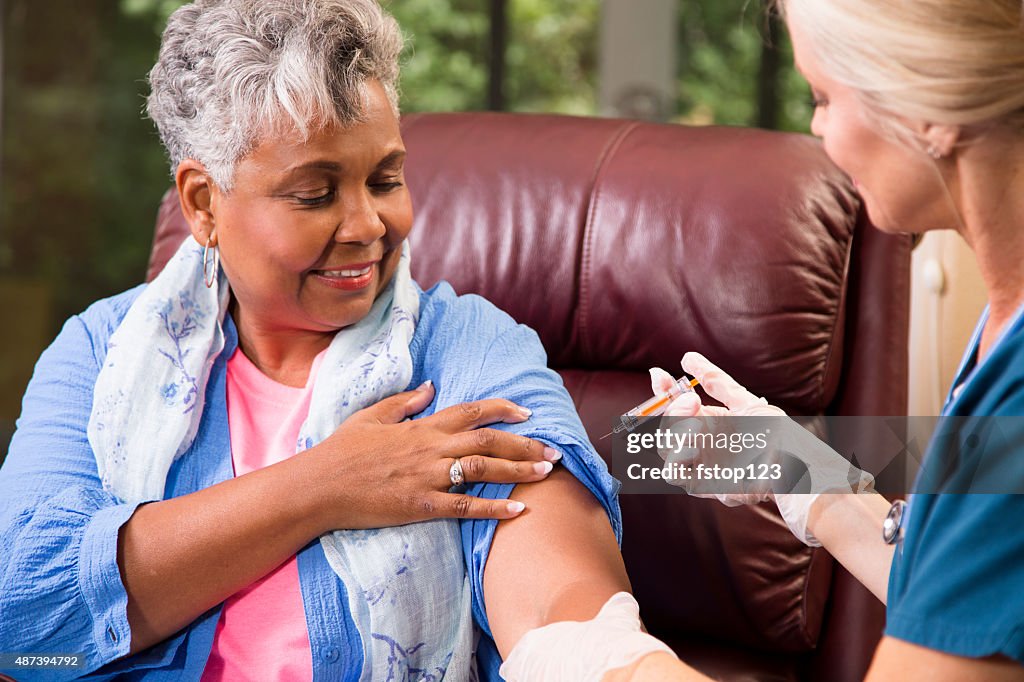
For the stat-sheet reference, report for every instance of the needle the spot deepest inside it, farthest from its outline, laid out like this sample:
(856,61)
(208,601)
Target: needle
(653,407)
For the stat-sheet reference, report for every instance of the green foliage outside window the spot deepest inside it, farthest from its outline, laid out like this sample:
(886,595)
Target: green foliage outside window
(720,46)
(551,60)
(444,67)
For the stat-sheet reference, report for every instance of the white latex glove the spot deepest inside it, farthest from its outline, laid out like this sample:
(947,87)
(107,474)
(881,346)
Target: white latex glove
(828,471)
(689,405)
(572,650)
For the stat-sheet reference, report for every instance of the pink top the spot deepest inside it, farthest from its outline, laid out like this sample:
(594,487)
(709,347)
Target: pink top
(262,631)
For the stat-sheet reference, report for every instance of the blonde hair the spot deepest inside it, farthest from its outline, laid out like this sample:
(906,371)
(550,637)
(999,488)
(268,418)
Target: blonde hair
(949,62)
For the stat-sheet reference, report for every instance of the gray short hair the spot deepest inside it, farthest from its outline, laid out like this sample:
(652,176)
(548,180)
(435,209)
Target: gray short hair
(232,71)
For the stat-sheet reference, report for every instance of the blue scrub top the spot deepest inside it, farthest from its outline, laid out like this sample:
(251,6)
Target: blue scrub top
(957,580)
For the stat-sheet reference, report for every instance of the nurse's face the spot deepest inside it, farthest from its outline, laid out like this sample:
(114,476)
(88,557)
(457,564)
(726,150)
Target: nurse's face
(902,188)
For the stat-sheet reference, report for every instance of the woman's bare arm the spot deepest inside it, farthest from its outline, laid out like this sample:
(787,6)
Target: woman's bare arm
(180,557)
(559,561)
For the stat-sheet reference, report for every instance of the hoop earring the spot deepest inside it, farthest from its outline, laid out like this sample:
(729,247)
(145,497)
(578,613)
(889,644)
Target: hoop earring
(209,279)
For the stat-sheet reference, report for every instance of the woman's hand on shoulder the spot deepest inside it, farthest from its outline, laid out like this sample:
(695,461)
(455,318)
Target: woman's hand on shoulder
(380,469)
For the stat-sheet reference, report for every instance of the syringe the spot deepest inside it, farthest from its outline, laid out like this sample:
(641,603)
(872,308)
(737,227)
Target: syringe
(653,407)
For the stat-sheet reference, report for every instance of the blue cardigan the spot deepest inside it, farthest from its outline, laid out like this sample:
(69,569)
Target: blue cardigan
(60,587)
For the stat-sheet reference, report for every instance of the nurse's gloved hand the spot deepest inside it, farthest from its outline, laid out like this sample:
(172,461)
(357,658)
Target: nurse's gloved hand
(738,403)
(807,462)
(583,651)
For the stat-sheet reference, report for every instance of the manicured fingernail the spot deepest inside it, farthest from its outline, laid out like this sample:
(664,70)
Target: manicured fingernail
(516,507)
(425,385)
(543,468)
(526,412)
(552,455)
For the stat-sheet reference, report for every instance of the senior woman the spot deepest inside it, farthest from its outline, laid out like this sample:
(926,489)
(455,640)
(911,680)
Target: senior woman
(189,450)
(921,102)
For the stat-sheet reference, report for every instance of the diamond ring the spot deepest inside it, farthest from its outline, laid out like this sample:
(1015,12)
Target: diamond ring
(455,473)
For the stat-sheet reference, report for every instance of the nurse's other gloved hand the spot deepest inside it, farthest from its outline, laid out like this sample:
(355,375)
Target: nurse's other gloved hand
(821,469)
(567,651)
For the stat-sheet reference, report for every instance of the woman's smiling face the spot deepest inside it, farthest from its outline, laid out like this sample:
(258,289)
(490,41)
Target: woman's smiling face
(312,231)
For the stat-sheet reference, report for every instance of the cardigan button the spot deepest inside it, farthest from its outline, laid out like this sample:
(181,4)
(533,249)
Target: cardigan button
(331,655)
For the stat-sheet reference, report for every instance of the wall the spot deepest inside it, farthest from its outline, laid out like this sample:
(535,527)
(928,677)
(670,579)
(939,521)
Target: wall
(947,297)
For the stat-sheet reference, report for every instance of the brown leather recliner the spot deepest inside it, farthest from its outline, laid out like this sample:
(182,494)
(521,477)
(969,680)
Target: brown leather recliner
(625,244)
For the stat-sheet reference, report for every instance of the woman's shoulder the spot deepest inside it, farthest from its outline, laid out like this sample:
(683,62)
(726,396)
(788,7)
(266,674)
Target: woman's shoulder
(102,317)
(462,332)
(441,309)
(106,313)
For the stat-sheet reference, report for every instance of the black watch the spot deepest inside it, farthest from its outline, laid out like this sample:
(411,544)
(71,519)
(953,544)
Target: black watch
(892,527)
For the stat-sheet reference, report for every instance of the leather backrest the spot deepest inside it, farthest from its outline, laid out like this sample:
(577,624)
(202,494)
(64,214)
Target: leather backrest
(625,244)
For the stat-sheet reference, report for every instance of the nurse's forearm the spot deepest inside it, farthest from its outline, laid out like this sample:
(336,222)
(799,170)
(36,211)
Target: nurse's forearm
(849,526)
(182,556)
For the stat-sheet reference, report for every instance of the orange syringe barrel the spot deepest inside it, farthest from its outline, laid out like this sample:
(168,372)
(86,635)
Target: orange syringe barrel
(655,406)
